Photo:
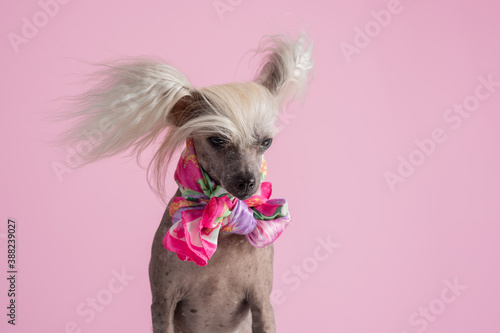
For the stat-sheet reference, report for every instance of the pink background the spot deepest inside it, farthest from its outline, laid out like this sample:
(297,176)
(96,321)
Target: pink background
(398,250)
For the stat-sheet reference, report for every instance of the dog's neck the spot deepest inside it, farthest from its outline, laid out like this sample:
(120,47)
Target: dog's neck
(201,209)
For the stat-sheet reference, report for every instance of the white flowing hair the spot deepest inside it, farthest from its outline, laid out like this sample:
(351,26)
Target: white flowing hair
(287,66)
(142,101)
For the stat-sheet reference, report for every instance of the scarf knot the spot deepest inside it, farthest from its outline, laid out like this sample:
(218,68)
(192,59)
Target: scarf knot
(205,209)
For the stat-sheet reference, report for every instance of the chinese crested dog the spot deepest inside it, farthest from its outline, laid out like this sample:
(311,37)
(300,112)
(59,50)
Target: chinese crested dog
(212,255)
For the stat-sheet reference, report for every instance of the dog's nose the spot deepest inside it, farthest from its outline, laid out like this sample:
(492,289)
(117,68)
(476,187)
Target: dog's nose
(246,184)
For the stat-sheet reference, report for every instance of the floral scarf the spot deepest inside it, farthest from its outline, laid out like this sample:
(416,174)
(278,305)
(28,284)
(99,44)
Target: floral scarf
(205,209)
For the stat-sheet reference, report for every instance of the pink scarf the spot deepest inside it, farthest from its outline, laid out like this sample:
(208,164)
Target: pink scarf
(204,209)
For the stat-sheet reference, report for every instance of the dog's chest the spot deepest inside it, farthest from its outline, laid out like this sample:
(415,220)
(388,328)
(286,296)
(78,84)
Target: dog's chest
(216,298)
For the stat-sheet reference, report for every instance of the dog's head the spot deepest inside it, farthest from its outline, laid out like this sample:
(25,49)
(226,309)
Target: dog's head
(136,102)
(232,125)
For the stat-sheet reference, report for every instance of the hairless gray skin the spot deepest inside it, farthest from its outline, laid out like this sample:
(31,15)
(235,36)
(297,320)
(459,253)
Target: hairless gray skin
(219,297)
(231,293)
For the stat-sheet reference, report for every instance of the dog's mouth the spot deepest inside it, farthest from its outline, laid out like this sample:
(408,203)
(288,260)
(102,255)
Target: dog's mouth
(229,188)
(233,190)
(242,194)
(243,197)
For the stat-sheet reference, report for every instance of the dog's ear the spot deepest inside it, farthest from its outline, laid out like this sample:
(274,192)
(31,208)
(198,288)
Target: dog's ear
(186,108)
(127,108)
(287,66)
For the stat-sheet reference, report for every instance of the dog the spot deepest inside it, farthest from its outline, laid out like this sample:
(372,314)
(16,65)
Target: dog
(142,103)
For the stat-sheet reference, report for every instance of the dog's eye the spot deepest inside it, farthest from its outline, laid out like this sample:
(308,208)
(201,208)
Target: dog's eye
(216,141)
(266,143)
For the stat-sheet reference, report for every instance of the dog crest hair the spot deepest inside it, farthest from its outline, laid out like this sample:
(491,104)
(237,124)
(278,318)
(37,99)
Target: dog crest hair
(138,102)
